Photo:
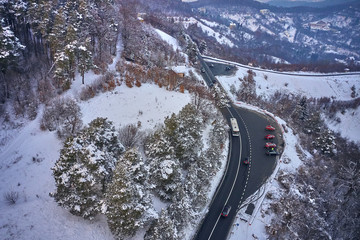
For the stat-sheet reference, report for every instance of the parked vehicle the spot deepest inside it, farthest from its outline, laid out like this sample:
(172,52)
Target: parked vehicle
(271,152)
(270,145)
(269,136)
(270,128)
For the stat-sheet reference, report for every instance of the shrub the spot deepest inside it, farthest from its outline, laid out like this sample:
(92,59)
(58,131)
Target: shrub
(62,115)
(11,197)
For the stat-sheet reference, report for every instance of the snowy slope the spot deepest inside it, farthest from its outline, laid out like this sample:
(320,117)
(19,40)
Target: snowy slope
(36,215)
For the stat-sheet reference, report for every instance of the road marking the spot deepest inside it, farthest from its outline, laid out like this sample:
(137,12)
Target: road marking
(232,188)
(250,149)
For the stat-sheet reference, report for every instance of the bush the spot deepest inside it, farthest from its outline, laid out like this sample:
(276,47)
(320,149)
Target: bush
(62,115)
(11,197)
(130,136)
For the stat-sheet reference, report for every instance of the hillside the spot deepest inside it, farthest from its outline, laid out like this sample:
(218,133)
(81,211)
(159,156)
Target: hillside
(110,132)
(266,35)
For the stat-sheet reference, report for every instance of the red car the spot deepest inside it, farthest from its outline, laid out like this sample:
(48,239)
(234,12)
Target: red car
(269,136)
(269,128)
(246,161)
(270,145)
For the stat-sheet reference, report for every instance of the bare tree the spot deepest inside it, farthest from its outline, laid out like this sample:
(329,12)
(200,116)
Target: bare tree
(62,115)
(130,136)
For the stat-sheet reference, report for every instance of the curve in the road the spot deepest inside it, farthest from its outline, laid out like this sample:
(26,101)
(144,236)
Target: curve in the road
(246,179)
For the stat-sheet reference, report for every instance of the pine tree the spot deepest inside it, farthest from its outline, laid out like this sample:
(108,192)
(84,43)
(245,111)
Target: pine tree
(189,133)
(84,57)
(57,33)
(203,47)
(127,198)
(162,229)
(85,167)
(10,47)
(164,168)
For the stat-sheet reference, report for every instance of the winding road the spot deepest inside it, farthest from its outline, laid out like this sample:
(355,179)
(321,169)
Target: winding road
(239,180)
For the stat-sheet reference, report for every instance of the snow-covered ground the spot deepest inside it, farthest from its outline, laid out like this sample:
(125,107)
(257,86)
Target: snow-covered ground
(209,31)
(28,158)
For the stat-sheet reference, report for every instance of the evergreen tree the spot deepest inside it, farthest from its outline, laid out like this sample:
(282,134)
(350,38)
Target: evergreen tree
(10,47)
(84,61)
(189,134)
(127,198)
(85,168)
(301,111)
(57,33)
(165,171)
(163,228)
(203,47)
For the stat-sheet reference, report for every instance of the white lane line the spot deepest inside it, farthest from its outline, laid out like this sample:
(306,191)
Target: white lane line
(232,188)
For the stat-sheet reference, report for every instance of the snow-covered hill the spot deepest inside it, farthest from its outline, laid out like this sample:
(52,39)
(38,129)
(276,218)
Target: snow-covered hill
(295,36)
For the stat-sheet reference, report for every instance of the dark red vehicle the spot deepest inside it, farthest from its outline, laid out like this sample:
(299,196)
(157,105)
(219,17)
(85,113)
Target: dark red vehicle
(270,145)
(270,128)
(269,136)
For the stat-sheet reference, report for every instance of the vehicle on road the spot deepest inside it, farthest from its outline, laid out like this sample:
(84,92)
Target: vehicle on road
(227,68)
(271,152)
(226,210)
(211,65)
(270,145)
(270,128)
(234,127)
(269,136)
(246,160)
(203,70)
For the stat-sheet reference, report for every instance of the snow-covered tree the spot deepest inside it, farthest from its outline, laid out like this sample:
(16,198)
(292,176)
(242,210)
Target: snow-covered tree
(203,47)
(127,198)
(84,58)
(10,46)
(163,228)
(85,168)
(325,142)
(189,134)
(164,168)
(62,115)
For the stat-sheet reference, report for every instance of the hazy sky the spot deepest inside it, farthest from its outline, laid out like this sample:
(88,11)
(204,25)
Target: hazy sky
(294,0)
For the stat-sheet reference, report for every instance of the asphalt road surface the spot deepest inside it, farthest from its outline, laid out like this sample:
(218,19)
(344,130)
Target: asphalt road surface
(240,180)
